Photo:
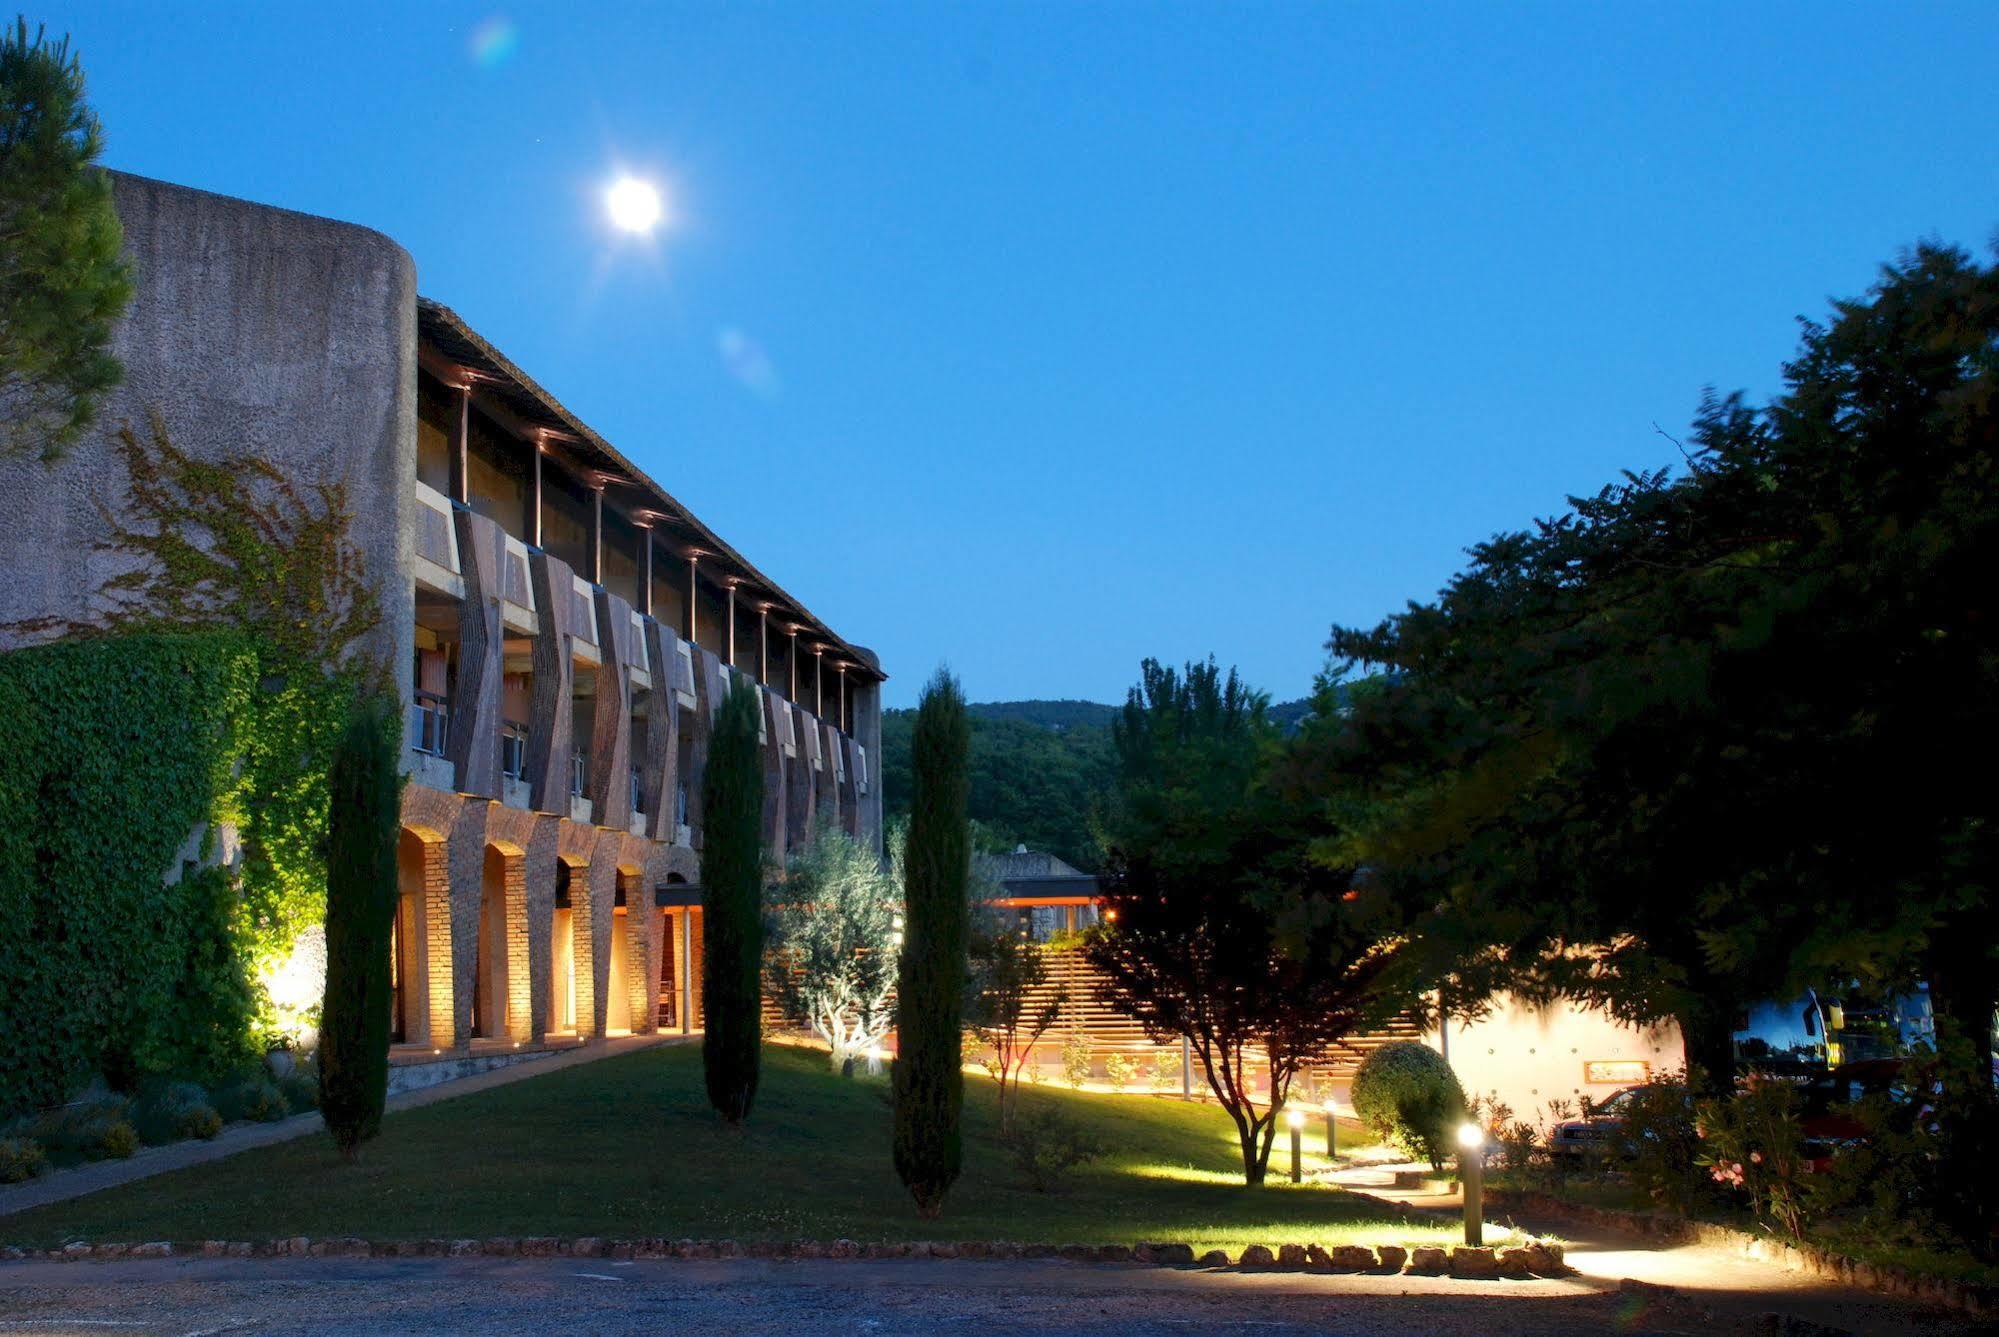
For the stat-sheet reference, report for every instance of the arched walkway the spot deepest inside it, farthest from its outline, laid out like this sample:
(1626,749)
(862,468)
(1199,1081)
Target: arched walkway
(567,953)
(501,988)
(420,963)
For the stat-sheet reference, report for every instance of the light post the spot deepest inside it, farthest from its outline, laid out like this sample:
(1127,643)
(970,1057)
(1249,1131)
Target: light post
(1296,1119)
(1471,1178)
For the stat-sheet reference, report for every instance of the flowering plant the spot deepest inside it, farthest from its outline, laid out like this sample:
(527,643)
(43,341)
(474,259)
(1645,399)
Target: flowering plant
(1752,1145)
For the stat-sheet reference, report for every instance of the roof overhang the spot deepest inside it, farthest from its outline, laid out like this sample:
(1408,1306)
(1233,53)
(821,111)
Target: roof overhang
(446,345)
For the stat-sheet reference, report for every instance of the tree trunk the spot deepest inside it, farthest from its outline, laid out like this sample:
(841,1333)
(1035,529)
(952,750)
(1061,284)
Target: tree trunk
(1963,994)
(1253,1165)
(1707,1029)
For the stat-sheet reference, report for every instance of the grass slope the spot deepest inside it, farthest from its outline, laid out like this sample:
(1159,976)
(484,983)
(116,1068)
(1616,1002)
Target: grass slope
(627,1147)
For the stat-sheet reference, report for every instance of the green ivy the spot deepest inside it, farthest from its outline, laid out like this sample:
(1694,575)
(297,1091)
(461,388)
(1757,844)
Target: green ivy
(224,552)
(116,749)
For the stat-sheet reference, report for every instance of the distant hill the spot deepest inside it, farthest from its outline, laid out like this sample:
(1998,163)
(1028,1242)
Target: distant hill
(1056,715)
(1064,715)
(1039,770)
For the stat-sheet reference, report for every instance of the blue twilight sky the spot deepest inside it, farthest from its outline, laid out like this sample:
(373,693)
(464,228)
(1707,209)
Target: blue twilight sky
(1037,338)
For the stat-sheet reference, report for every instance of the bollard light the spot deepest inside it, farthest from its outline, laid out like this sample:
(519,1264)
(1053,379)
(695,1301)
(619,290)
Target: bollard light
(1332,1134)
(1471,1178)
(1296,1119)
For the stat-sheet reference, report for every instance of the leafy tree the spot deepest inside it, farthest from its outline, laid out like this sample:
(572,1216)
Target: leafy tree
(1612,747)
(929,1074)
(63,284)
(732,797)
(1219,924)
(831,956)
(1009,1003)
(362,825)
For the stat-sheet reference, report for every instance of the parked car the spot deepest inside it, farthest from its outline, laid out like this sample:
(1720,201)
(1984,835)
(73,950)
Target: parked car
(1599,1132)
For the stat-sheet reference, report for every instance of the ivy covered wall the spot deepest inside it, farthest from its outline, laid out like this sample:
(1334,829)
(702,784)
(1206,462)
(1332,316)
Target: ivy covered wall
(115,750)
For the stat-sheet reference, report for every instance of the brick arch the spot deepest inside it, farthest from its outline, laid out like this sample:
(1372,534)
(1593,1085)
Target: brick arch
(633,929)
(423,921)
(573,870)
(502,979)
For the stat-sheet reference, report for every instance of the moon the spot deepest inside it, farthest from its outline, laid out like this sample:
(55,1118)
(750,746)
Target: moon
(634,205)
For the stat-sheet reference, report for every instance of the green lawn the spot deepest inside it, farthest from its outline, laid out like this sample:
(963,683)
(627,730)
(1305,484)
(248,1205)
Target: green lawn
(627,1147)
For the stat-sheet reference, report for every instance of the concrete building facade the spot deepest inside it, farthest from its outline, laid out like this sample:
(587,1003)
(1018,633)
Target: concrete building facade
(561,628)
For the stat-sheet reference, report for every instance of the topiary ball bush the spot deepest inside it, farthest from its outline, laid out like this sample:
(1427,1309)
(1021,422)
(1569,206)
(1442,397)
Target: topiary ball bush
(1407,1095)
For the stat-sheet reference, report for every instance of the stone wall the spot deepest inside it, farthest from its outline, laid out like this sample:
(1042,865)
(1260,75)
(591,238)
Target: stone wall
(253,330)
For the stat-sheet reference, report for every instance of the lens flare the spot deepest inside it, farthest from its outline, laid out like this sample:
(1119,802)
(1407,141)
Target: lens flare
(494,40)
(746,360)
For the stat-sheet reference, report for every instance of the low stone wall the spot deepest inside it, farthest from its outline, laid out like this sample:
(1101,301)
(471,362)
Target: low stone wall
(1535,1258)
(418,1074)
(1665,1228)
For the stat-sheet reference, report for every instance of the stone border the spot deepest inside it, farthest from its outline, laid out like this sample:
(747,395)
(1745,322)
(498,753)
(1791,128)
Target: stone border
(1810,1259)
(1536,1258)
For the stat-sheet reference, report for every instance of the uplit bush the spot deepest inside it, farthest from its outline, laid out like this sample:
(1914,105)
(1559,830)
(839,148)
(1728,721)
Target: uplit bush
(1076,1059)
(1121,1069)
(1407,1094)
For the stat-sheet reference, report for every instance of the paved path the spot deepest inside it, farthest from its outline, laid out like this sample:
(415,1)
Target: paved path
(63,1185)
(881,1299)
(1710,1278)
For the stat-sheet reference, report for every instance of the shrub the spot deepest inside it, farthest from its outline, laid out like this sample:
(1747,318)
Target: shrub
(21,1158)
(1407,1094)
(300,1086)
(92,1128)
(1122,1069)
(1662,1146)
(1076,1059)
(1166,1069)
(1046,1144)
(1751,1143)
(173,1112)
(254,1097)
(111,1140)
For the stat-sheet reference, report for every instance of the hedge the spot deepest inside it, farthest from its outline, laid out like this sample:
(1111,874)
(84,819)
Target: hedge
(115,749)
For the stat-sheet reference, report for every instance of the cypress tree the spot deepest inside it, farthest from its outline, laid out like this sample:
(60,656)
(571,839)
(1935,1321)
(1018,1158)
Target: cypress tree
(363,821)
(929,1071)
(732,800)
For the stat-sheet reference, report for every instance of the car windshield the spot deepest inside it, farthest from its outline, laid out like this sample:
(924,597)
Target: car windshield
(1616,1104)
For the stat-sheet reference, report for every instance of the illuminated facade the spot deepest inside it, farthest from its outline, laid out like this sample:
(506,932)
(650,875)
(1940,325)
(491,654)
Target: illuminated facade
(562,628)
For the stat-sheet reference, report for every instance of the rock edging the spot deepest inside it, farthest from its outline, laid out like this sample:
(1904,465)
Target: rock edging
(1534,1258)
(1810,1259)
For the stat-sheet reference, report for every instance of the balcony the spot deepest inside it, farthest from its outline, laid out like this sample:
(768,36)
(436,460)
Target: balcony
(580,808)
(430,724)
(514,764)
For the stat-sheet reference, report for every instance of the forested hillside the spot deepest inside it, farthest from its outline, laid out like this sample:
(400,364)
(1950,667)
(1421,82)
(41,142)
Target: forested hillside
(1039,770)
